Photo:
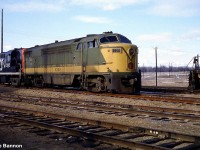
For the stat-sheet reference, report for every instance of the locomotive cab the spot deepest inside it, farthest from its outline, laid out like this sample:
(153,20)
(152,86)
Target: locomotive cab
(10,66)
(15,60)
(109,63)
(121,60)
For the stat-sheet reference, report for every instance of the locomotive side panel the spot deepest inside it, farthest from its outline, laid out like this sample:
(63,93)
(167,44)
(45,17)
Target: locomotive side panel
(52,64)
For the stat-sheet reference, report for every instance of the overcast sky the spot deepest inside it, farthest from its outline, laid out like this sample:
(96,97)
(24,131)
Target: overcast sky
(171,25)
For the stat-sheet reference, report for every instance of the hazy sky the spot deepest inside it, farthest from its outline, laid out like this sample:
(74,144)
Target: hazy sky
(171,25)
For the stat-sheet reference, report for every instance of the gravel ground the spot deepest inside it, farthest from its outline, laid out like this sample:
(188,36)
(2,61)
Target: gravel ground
(185,128)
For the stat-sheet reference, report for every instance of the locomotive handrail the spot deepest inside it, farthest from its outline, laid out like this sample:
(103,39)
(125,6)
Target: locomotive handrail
(10,73)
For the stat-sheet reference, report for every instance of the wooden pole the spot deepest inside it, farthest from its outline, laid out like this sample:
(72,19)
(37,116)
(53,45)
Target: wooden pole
(156,66)
(2,31)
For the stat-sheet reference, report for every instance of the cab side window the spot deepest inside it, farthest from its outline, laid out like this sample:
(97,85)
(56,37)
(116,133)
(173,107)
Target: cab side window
(92,44)
(85,46)
(8,57)
(79,47)
(1,64)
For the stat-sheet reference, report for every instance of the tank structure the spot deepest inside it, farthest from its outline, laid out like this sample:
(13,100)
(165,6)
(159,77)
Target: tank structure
(194,76)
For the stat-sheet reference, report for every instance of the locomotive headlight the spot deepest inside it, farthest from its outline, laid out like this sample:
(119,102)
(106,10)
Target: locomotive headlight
(131,52)
(130,65)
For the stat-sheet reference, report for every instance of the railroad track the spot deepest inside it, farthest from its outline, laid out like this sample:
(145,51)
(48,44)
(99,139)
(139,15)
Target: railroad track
(117,109)
(165,89)
(116,134)
(160,97)
(132,111)
(153,96)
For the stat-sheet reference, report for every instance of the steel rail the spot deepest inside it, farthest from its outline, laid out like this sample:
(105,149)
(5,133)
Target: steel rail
(123,108)
(150,97)
(129,111)
(128,106)
(88,135)
(110,125)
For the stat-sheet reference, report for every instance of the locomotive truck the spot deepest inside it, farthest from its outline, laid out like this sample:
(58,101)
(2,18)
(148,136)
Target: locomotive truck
(97,63)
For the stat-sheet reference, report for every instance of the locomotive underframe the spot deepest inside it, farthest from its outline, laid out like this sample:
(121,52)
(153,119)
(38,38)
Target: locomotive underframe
(101,82)
(13,78)
(123,83)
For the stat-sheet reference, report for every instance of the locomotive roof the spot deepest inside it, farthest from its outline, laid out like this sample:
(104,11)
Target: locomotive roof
(10,51)
(89,37)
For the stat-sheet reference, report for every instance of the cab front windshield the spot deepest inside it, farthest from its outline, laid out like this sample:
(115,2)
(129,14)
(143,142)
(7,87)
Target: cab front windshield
(114,39)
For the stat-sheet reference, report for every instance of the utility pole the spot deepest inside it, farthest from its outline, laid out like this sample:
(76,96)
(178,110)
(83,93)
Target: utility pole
(2,31)
(156,66)
(196,62)
(169,69)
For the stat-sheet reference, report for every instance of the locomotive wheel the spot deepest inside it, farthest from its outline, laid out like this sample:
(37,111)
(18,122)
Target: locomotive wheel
(96,85)
(38,82)
(15,82)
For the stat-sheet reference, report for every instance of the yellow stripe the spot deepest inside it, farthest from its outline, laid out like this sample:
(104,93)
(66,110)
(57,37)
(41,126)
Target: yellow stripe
(53,69)
(76,69)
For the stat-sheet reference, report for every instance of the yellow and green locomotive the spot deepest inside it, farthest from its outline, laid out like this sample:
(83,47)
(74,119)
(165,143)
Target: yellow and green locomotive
(97,63)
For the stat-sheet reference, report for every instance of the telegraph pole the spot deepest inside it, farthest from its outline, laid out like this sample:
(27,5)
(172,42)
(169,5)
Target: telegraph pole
(2,31)
(156,66)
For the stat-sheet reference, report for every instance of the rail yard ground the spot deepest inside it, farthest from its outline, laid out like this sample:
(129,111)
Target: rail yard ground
(10,135)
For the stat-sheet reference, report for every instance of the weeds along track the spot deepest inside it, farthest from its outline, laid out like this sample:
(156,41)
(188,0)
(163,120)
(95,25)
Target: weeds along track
(116,134)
